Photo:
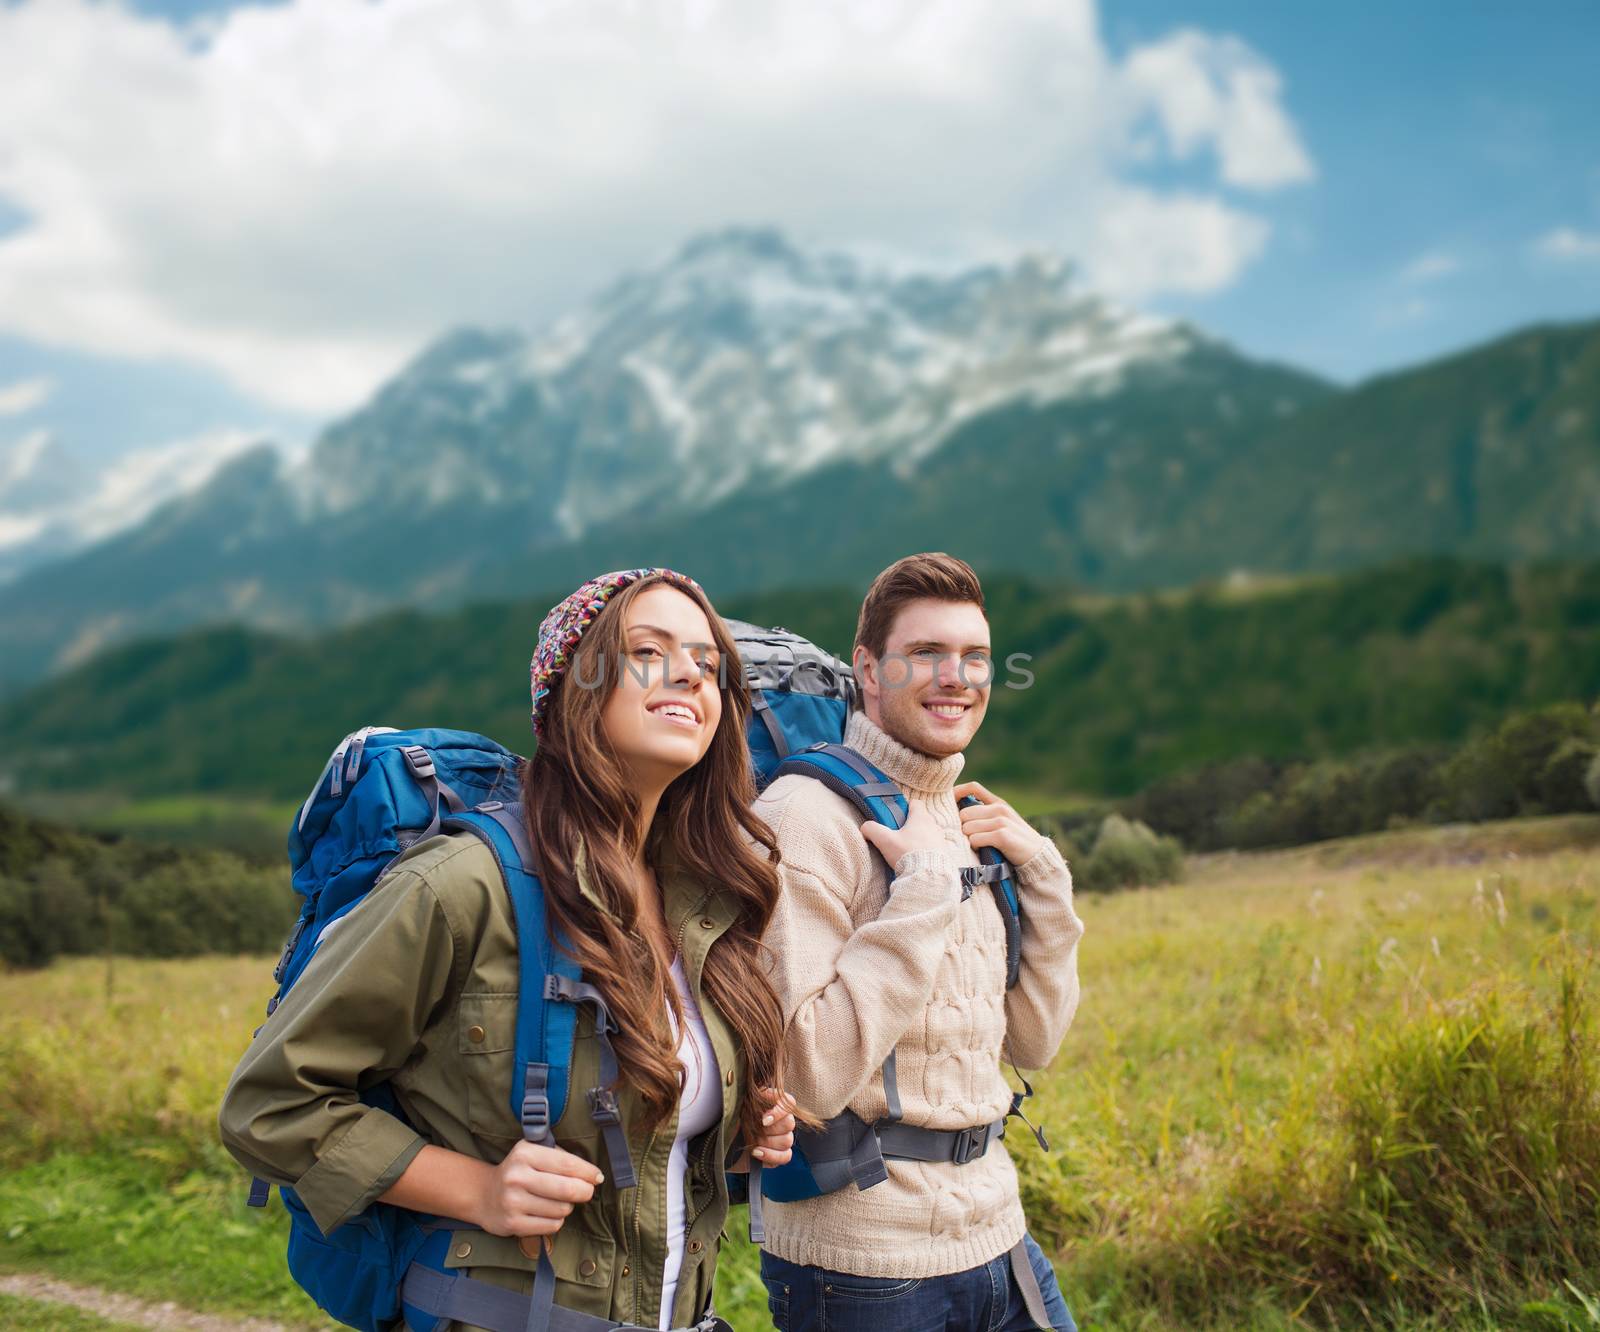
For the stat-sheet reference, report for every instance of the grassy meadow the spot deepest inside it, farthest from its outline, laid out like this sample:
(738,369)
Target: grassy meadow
(1352,1085)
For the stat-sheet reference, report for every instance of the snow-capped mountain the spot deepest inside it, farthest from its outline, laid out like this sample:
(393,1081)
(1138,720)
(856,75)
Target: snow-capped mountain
(741,359)
(746,405)
(51,505)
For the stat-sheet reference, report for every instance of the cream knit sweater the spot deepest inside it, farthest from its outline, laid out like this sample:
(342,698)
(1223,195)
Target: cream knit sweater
(862,965)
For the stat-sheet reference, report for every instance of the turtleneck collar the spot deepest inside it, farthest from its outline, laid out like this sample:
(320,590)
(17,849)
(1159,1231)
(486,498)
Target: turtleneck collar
(910,768)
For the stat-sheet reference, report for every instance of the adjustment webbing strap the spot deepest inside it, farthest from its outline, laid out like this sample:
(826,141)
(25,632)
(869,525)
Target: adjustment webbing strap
(758,1227)
(1028,1283)
(891,1089)
(763,709)
(843,1151)
(603,1107)
(479,1304)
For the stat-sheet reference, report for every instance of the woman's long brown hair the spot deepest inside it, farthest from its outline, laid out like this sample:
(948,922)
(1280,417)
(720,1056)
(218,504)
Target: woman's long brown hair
(574,790)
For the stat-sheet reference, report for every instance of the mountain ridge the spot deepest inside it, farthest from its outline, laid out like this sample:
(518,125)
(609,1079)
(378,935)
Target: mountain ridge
(778,416)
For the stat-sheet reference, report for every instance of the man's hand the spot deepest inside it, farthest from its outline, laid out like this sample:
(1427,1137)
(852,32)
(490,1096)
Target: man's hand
(534,1190)
(918,833)
(994,823)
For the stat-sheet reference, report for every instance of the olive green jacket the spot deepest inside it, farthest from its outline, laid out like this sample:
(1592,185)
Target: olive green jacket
(418,985)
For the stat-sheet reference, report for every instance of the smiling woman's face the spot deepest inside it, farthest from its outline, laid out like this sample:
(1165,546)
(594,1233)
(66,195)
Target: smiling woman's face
(665,707)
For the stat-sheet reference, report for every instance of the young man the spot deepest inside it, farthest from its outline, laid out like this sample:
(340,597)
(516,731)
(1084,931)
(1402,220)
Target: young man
(876,950)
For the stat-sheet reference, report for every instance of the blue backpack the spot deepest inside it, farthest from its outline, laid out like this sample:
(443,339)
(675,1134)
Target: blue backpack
(382,791)
(801,698)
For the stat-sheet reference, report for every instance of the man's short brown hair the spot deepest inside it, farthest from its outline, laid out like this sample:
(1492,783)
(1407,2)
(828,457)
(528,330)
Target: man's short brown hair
(932,574)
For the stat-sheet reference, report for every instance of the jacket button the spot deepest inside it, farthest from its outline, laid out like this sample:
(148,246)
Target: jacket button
(695,1246)
(728,1081)
(463,1251)
(627,1270)
(475,1035)
(586,1267)
(706,923)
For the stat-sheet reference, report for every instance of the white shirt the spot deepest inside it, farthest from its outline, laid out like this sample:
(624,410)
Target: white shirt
(699,1108)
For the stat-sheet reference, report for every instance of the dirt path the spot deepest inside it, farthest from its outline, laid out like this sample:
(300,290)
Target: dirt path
(166,1317)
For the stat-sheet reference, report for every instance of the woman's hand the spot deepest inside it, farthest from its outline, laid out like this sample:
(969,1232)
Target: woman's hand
(994,823)
(776,1144)
(534,1190)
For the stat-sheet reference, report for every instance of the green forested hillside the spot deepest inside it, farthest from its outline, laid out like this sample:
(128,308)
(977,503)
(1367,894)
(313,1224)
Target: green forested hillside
(1124,691)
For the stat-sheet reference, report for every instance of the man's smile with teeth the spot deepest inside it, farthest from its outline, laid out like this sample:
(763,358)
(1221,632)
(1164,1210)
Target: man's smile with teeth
(947,709)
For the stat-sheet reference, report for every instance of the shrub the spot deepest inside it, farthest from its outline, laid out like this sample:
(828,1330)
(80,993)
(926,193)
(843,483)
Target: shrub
(1399,787)
(86,894)
(1591,782)
(1561,782)
(1509,772)
(1194,806)
(1127,854)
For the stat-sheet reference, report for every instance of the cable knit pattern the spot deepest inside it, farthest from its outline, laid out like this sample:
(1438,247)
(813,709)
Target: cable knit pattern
(862,966)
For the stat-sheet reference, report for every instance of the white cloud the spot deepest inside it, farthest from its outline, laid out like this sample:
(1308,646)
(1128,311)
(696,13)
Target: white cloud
(1568,244)
(299,195)
(1430,267)
(24,395)
(1147,243)
(1215,92)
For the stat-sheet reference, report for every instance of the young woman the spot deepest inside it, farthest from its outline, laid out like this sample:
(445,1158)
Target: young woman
(637,804)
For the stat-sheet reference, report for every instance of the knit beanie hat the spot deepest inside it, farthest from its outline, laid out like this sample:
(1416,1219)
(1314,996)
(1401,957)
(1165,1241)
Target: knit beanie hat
(567,621)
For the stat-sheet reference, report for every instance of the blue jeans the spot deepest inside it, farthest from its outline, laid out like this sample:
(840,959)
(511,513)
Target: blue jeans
(982,1299)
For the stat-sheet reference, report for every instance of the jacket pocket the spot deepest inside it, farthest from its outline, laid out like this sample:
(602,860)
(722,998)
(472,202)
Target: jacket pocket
(585,1265)
(486,1042)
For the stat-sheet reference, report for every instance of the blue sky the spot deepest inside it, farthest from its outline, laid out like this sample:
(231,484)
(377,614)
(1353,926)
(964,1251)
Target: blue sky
(247,237)
(1459,133)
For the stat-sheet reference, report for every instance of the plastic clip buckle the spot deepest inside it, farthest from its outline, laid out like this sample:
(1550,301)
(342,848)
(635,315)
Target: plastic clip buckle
(971,1143)
(603,1108)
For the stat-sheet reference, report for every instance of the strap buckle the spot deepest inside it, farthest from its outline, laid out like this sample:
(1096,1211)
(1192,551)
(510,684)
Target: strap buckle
(970,1144)
(419,761)
(603,1107)
(535,1105)
(288,951)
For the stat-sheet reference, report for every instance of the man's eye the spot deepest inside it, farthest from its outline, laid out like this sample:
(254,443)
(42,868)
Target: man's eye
(925,654)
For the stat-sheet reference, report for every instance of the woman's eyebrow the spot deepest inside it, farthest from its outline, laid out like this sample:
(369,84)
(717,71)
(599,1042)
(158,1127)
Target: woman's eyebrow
(659,632)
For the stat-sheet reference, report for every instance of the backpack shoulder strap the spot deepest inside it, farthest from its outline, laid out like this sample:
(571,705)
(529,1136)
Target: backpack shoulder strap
(550,987)
(845,772)
(545,1032)
(997,872)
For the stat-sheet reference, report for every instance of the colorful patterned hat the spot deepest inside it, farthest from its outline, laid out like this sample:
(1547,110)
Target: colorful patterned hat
(561,629)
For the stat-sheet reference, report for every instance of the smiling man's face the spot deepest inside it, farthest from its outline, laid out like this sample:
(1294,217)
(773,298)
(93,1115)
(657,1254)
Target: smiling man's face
(930,688)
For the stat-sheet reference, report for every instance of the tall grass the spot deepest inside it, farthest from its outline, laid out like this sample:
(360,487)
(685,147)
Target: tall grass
(98,1052)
